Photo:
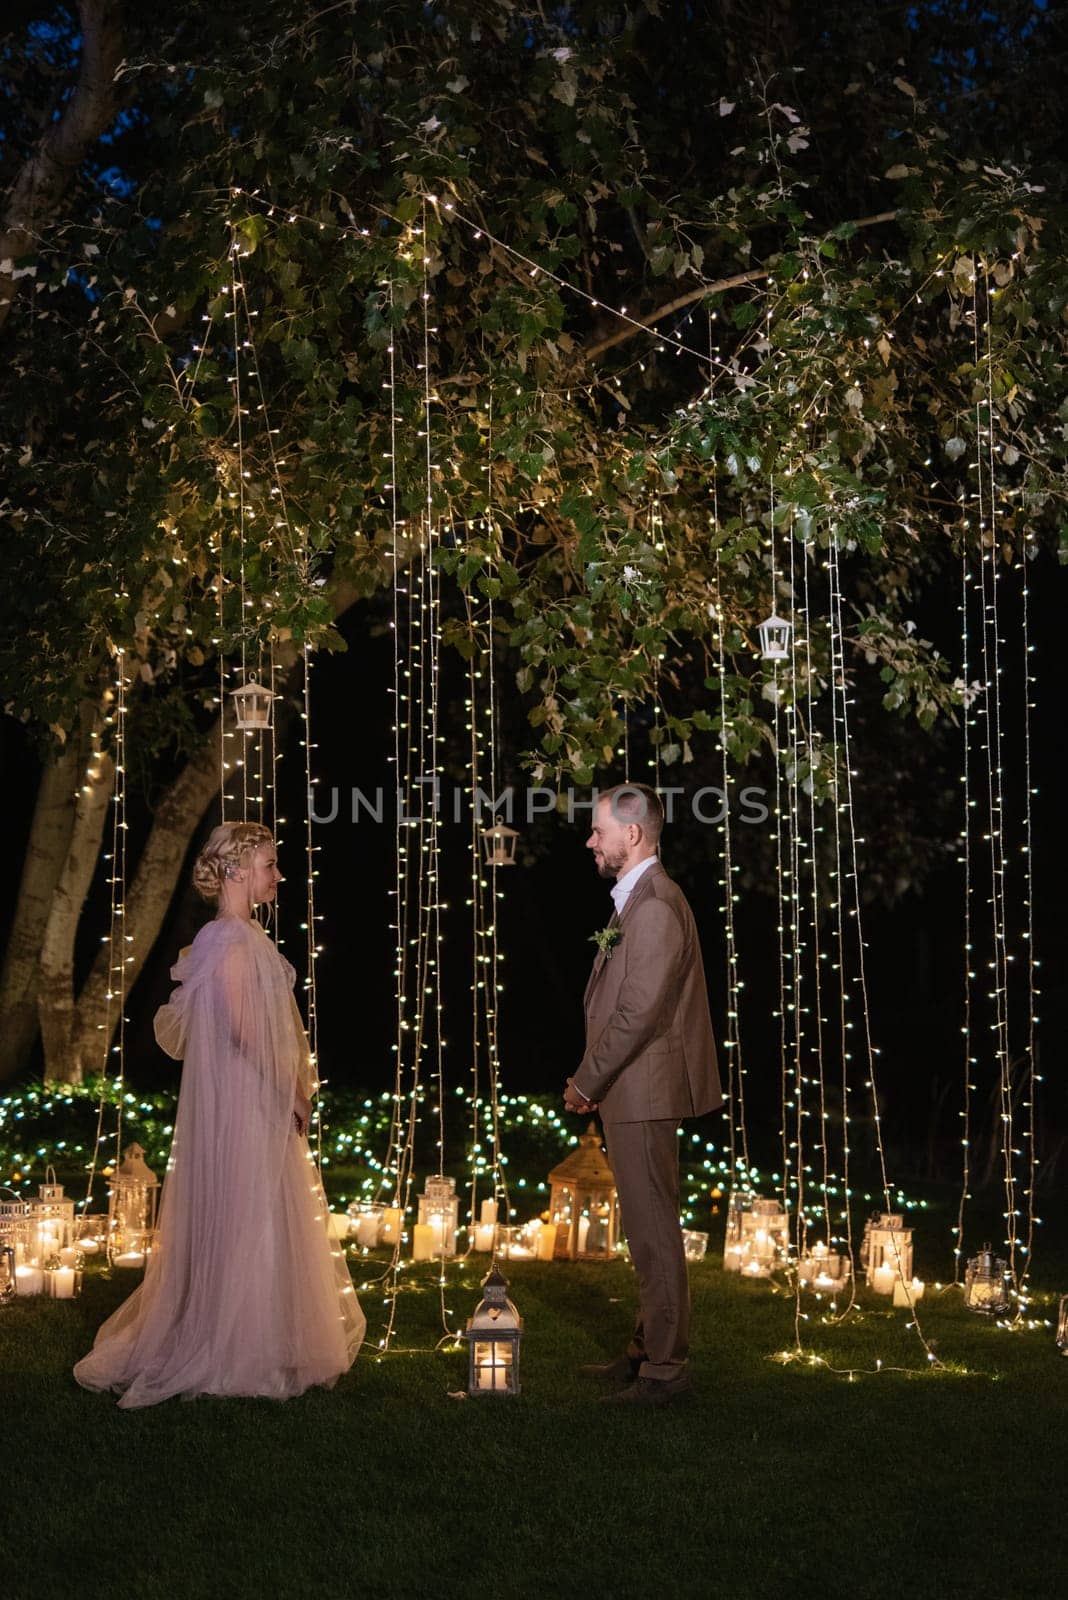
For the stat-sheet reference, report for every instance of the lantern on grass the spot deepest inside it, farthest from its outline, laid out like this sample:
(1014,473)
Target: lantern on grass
(439,1210)
(583,1204)
(8,1285)
(987,1286)
(63,1274)
(739,1201)
(694,1244)
(886,1251)
(775,634)
(252,706)
(132,1210)
(52,1218)
(765,1238)
(498,845)
(493,1336)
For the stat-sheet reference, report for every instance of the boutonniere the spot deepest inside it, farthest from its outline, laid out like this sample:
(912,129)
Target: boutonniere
(606,940)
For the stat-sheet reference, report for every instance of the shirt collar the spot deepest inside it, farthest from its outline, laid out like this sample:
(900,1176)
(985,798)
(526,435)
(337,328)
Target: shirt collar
(622,889)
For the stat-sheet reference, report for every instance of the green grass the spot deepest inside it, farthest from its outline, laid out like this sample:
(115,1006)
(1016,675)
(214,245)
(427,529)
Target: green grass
(775,1481)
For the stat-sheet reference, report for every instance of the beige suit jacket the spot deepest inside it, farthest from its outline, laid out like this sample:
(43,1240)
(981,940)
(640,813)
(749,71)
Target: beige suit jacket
(650,1053)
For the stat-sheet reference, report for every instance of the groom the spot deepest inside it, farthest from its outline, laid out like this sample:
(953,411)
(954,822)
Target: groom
(650,1060)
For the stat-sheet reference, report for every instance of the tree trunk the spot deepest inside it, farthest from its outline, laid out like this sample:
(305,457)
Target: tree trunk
(176,820)
(46,852)
(55,985)
(35,195)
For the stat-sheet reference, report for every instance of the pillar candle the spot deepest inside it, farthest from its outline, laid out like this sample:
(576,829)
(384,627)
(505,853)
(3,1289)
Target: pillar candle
(583,1232)
(883,1279)
(29,1280)
(390,1229)
(484,1232)
(423,1241)
(339,1224)
(367,1227)
(489,1212)
(63,1283)
(907,1294)
(546,1243)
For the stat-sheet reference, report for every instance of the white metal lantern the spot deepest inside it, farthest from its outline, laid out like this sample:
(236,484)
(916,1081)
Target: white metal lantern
(252,705)
(886,1251)
(499,844)
(8,1282)
(52,1218)
(739,1201)
(439,1210)
(493,1336)
(365,1222)
(824,1271)
(132,1210)
(987,1286)
(775,634)
(1062,1325)
(583,1205)
(765,1238)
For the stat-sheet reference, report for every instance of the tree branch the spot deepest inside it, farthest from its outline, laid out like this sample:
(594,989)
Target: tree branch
(683,300)
(45,175)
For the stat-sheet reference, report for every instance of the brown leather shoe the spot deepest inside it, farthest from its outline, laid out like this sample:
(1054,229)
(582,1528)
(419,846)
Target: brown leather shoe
(623,1369)
(650,1392)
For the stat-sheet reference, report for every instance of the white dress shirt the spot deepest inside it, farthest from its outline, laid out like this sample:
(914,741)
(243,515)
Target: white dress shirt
(622,889)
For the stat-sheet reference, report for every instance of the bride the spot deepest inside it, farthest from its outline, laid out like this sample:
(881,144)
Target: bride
(246,1293)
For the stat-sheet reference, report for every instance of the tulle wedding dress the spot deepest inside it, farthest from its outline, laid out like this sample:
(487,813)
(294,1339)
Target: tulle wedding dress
(246,1293)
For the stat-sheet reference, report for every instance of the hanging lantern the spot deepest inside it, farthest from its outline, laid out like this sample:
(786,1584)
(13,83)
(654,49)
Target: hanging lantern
(987,1286)
(1062,1325)
(775,634)
(52,1217)
(493,1335)
(499,844)
(439,1214)
(886,1251)
(132,1210)
(765,1238)
(583,1203)
(252,706)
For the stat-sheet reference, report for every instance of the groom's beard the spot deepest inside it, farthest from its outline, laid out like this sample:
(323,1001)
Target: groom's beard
(609,866)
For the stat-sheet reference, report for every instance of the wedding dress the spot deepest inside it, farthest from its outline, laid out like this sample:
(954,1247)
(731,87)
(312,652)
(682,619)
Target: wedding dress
(246,1293)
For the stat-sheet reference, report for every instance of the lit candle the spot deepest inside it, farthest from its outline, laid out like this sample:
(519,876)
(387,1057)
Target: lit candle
(339,1224)
(906,1294)
(484,1232)
(130,1258)
(422,1242)
(436,1224)
(367,1225)
(29,1280)
(491,1375)
(583,1232)
(63,1283)
(390,1229)
(883,1279)
(489,1212)
(546,1244)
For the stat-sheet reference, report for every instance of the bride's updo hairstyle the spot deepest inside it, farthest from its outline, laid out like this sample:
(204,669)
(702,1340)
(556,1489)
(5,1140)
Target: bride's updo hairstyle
(229,849)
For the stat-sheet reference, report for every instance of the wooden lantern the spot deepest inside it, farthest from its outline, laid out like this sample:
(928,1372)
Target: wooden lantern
(583,1203)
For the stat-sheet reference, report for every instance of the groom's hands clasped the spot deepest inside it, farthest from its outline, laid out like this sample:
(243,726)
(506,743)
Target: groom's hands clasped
(573,1101)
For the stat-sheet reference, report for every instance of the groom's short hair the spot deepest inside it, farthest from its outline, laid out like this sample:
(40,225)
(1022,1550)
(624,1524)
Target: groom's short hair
(636,802)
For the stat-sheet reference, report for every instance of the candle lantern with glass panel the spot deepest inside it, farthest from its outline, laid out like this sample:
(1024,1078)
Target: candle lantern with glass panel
(132,1210)
(583,1203)
(886,1251)
(493,1335)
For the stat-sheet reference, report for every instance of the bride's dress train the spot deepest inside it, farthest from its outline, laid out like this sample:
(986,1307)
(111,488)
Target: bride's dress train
(246,1292)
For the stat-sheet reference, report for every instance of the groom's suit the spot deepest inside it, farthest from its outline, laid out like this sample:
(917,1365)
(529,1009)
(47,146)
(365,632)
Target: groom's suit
(650,1059)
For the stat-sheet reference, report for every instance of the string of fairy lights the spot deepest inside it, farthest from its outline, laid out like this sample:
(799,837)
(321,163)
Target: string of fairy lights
(420,1048)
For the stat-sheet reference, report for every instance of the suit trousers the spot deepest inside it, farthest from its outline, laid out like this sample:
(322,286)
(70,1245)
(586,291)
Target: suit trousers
(644,1157)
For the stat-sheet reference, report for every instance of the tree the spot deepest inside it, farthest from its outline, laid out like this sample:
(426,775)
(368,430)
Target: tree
(807,222)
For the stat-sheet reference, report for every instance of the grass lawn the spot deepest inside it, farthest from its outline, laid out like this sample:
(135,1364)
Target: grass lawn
(774,1481)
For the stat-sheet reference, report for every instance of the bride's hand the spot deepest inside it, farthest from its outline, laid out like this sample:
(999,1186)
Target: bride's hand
(302,1113)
